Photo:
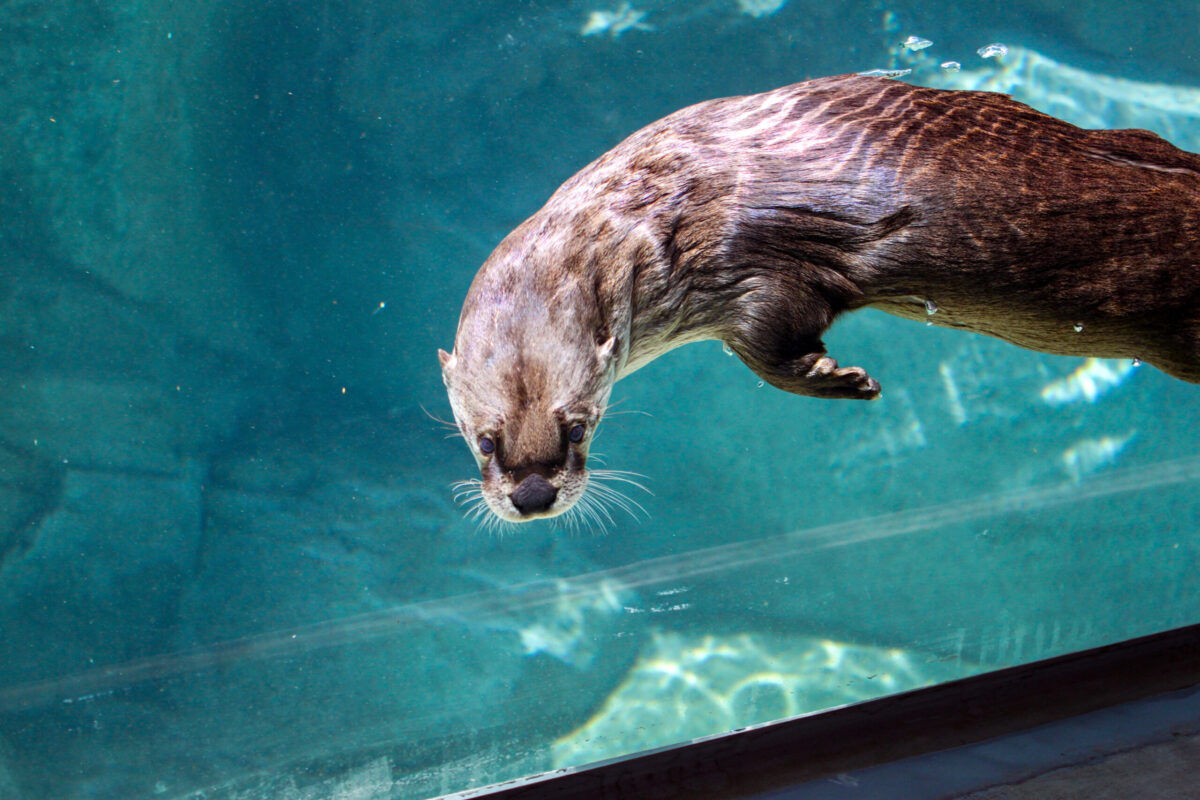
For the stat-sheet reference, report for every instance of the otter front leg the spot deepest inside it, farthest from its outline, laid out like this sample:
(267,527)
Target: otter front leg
(797,363)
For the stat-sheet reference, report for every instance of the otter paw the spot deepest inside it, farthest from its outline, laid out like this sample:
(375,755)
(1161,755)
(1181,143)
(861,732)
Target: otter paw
(826,379)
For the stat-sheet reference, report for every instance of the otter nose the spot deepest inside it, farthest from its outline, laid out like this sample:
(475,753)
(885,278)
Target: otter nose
(534,494)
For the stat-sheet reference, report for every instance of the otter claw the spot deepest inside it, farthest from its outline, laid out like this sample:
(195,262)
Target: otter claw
(824,367)
(830,380)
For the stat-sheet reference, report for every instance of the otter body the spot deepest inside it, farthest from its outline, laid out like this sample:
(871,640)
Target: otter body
(758,220)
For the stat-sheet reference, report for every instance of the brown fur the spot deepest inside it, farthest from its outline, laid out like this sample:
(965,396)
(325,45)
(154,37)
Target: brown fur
(758,220)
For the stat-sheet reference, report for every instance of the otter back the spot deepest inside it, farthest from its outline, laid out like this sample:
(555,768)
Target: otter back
(758,220)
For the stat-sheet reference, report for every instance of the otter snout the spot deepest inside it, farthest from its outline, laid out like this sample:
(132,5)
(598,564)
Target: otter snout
(533,495)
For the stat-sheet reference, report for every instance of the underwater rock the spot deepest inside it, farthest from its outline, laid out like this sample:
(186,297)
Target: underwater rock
(93,378)
(10,788)
(98,424)
(686,685)
(125,330)
(109,152)
(97,579)
(29,486)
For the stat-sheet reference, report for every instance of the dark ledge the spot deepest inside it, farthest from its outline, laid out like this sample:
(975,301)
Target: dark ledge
(781,754)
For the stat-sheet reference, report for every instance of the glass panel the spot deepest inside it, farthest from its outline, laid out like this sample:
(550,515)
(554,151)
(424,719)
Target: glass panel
(231,562)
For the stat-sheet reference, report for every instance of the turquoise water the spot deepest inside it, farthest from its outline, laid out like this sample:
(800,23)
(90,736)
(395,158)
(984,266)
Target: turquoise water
(231,564)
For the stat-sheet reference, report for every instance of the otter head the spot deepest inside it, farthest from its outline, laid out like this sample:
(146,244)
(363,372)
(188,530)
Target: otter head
(528,381)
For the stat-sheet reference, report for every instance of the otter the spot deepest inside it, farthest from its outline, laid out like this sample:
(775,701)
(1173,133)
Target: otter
(758,220)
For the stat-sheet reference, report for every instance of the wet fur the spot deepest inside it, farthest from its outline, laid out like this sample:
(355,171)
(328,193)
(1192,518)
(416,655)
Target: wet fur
(758,220)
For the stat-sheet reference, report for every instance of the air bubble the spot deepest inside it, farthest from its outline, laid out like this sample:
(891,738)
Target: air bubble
(931,307)
(993,50)
(760,385)
(885,73)
(1137,362)
(725,348)
(916,43)
(951,66)
(1078,326)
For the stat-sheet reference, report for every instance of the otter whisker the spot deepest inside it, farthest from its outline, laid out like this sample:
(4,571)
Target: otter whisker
(609,495)
(579,517)
(612,405)
(617,497)
(467,489)
(596,502)
(605,495)
(494,525)
(620,500)
(444,423)
(469,494)
(481,517)
(569,520)
(623,472)
(593,509)
(608,409)
(579,514)
(608,414)
(589,517)
(621,475)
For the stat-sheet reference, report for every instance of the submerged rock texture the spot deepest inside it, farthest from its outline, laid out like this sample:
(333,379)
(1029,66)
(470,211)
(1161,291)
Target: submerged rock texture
(126,330)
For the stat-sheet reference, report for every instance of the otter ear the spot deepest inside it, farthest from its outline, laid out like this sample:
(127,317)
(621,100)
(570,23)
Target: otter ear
(606,351)
(447,360)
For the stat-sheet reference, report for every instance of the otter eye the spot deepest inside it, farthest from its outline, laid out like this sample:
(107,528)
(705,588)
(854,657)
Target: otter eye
(487,445)
(575,435)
